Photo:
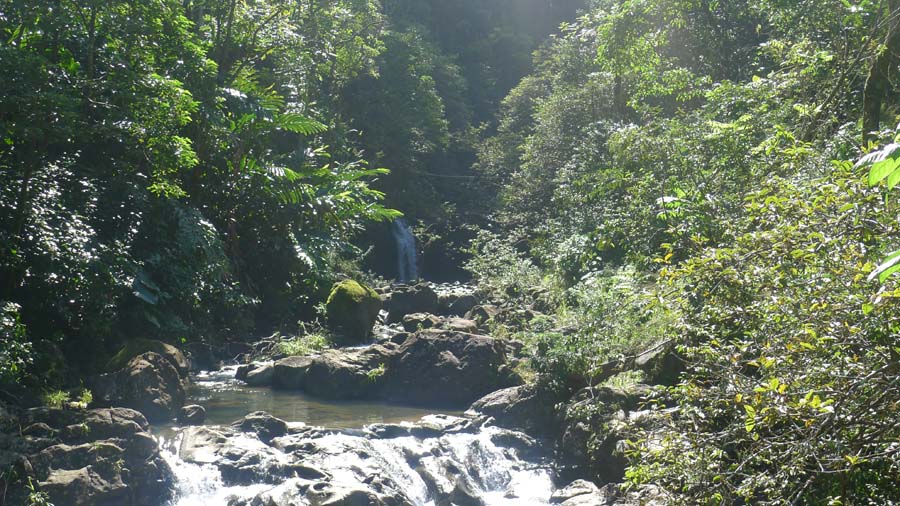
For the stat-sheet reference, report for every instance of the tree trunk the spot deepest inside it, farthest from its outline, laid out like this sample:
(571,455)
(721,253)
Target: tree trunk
(878,84)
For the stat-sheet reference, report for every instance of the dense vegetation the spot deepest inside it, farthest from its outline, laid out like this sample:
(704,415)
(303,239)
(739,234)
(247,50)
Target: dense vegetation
(683,171)
(198,171)
(659,171)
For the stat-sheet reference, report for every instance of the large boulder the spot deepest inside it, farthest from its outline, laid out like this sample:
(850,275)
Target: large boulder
(446,368)
(149,383)
(260,376)
(135,347)
(97,457)
(352,309)
(523,407)
(419,298)
(593,430)
(348,374)
(290,373)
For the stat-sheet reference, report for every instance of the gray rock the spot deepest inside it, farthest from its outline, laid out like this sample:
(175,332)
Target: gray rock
(348,374)
(290,373)
(260,376)
(149,384)
(264,425)
(419,298)
(460,325)
(420,321)
(446,368)
(192,415)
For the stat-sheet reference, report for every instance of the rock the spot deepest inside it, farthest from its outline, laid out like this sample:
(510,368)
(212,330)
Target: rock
(290,373)
(264,425)
(348,374)
(352,309)
(461,325)
(521,407)
(41,430)
(149,384)
(419,298)
(242,371)
(483,314)
(420,321)
(102,457)
(135,347)
(592,428)
(84,487)
(445,368)
(462,305)
(192,415)
(578,488)
(260,376)
(661,365)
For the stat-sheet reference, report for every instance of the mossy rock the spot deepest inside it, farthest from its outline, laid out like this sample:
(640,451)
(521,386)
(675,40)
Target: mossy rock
(135,347)
(352,309)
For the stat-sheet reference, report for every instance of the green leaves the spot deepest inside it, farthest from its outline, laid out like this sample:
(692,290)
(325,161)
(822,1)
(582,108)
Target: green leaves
(885,163)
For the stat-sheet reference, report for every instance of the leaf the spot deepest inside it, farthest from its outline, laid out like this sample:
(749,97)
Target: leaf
(882,169)
(878,155)
(890,265)
(893,179)
(299,124)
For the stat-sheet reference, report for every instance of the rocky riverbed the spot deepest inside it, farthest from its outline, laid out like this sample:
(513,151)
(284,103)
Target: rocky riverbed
(432,412)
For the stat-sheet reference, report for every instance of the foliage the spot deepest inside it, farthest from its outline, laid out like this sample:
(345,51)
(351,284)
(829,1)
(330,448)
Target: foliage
(790,395)
(56,399)
(306,344)
(15,350)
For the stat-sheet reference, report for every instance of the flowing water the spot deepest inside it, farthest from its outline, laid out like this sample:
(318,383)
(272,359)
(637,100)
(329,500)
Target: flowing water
(416,467)
(407,256)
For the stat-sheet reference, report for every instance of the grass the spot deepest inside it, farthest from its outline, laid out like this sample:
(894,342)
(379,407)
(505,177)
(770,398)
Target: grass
(56,399)
(304,345)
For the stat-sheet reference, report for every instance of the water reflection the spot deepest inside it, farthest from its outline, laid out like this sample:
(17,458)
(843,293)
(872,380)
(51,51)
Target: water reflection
(227,400)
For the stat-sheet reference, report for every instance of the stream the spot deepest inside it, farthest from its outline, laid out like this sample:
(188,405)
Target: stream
(345,453)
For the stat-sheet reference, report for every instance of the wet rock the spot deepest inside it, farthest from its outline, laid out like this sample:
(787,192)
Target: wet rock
(352,309)
(149,384)
(202,445)
(578,488)
(522,407)
(192,415)
(264,425)
(419,298)
(419,321)
(446,368)
(290,373)
(260,376)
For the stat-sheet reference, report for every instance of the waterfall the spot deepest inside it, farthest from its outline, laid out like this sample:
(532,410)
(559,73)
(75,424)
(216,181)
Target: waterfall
(407,258)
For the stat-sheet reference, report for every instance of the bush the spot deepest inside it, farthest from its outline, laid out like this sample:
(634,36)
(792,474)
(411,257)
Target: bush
(15,350)
(791,393)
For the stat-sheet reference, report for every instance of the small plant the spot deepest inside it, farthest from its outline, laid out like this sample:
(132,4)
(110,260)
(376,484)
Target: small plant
(375,373)
(85,398)
(304,345)
(56,399)
(36,497)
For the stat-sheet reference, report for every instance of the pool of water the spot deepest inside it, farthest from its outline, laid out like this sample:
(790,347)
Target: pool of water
(227,400)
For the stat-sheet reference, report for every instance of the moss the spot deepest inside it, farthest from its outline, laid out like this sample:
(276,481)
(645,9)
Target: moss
(352,309)
(135,347)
